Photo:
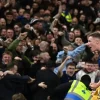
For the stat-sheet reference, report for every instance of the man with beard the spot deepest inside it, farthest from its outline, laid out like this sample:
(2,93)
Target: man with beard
(53,51)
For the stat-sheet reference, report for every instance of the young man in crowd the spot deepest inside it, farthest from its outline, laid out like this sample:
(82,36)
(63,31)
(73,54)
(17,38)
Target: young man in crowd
(88,69)
(69,74)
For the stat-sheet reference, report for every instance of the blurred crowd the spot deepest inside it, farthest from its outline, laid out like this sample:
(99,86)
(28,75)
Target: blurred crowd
(43,44)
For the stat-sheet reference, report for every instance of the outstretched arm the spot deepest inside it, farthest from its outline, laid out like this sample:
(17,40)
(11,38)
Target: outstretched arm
(94,85)
(78,50)
(60,68)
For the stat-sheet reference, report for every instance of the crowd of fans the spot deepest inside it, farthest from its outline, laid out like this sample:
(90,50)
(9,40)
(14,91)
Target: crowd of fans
(43,45)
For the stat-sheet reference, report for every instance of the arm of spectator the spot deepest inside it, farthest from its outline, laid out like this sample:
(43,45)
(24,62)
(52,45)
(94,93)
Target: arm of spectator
(42,85)
(17,58)
(94,85)
(7,42)
(26,59)
(97,20)
(31,11)
(60,68)
(6,3)
(1,75)
(78,50)
(97,76)
(53,24)
(37,86)
(83,30)
(57,16)
(14,44)
(27,26)
(64,41)
(59,57)
(20,79)
(80,65)
(8,72)
(31,80)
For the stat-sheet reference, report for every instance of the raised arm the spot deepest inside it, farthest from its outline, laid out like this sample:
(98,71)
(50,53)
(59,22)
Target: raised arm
(15,43)
(56,17)
(60,68)
(64,41)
